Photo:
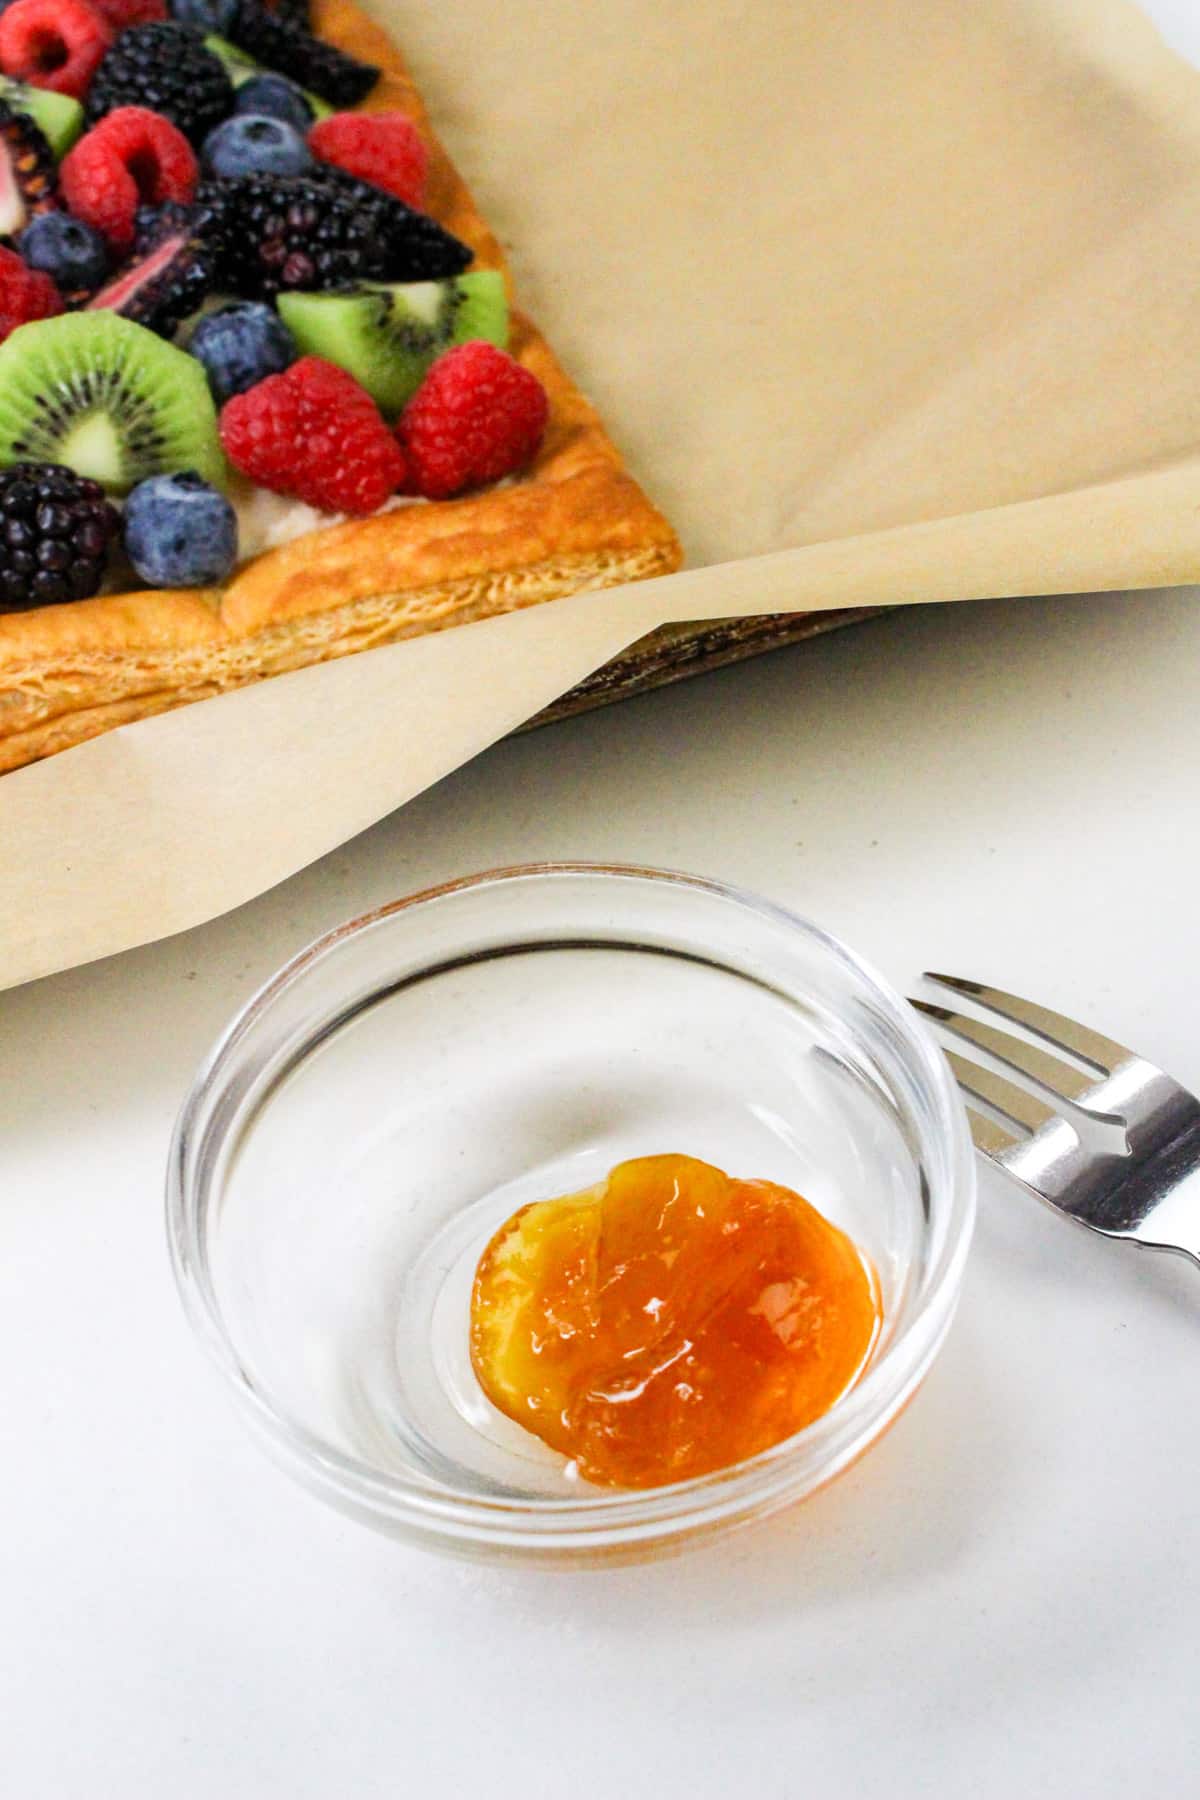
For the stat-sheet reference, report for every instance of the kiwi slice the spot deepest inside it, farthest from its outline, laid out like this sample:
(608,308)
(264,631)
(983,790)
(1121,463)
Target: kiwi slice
(59,117)
(386,336)
(240,66)
(107,398)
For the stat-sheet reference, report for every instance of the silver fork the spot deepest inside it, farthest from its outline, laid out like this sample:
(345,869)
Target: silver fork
(1119,1152)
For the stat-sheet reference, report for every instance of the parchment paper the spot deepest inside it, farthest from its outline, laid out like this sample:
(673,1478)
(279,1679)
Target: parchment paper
(886,302)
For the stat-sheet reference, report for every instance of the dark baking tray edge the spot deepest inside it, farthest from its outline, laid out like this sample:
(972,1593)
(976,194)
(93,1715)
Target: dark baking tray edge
(676,652)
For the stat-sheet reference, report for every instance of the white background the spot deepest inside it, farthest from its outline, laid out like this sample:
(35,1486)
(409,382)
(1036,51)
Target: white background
(1002,1600)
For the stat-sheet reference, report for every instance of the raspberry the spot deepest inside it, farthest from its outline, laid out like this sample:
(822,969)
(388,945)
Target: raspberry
(53,44)
(132,158)
(120,13)
(476,417)
(25,294)
(385,149)
(314,433)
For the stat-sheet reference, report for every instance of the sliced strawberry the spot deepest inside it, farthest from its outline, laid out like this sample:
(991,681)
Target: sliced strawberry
(173,276)
(27,171)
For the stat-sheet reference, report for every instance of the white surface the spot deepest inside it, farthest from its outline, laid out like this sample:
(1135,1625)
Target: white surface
(1002,1599)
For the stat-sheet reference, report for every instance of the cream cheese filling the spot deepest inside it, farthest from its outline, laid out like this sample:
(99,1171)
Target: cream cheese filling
(267,520)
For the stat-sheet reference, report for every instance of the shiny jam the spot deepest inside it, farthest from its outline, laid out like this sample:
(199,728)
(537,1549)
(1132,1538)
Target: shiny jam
(670,1321)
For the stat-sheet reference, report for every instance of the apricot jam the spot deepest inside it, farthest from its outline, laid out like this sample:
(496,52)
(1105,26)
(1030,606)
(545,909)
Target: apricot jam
(670,1321)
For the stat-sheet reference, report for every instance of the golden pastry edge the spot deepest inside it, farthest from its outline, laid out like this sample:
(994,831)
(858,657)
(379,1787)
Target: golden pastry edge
(576,521)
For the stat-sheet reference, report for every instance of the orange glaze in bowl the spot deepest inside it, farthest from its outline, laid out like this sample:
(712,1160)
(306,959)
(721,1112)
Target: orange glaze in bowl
(670,1321)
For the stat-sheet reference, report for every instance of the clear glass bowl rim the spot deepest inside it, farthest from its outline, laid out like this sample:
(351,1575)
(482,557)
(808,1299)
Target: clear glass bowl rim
(789,1470)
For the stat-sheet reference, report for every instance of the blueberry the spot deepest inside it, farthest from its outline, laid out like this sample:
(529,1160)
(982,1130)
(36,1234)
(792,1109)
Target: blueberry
(240,345)
(205,15)
(252,144)
(275,97)
(179,532)
(66,249)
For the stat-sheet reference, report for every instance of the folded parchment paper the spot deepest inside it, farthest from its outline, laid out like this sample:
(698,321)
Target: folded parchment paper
(886,302)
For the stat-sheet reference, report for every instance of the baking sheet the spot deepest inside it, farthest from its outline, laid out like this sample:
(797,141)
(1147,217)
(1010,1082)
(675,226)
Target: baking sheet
(886,303)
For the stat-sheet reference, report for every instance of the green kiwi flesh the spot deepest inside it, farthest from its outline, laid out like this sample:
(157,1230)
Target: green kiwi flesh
(107,398)
(240,66)
(59,117)
(387,336)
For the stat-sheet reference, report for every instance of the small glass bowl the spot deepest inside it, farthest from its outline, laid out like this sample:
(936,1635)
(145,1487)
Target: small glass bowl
(400,1088)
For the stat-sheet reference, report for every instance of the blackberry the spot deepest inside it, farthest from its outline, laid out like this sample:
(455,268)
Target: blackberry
(175,270)
(28,172)
(165,67)
(294,12)
(307,231)
(274,39)
(410,246)
(55,533)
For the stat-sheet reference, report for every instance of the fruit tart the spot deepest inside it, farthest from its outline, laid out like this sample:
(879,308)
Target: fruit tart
(263,397)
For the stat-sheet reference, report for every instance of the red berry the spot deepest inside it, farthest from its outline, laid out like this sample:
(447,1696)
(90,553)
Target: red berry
(314,433)
(383,148)
(120,13)
(53,44)
(132,158)
(25,294)
(476,417)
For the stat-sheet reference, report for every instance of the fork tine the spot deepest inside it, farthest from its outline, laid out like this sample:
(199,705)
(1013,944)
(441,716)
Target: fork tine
(1068,1034)
(1012,1102)
(1050,1072)
(988,1137)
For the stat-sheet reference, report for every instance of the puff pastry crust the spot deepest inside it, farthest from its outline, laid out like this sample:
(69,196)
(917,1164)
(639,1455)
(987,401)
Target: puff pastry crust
(576,520)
